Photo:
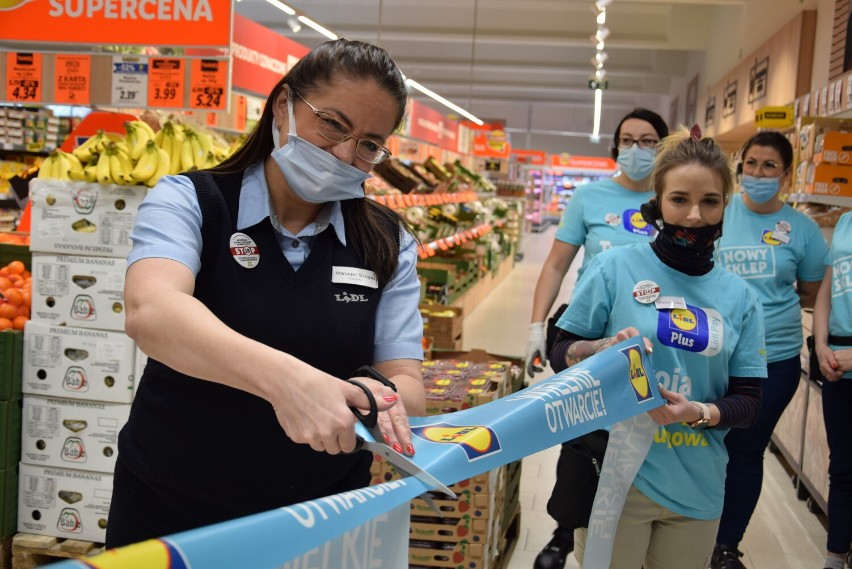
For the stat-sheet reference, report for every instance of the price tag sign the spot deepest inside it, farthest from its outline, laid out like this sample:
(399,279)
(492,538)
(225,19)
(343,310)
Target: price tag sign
(165,82)
(240,113)
(72,79)
(129,81)
(23,77)
(208,80)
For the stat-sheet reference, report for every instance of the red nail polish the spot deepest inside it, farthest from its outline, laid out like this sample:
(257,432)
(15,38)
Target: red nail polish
(390,398)
(397,448)
(410,449)
(387,440)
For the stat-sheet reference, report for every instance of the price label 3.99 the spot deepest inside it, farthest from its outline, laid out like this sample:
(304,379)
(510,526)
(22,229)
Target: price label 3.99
(166,83)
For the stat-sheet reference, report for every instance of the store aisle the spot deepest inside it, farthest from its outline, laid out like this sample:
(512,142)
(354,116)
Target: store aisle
(783,533)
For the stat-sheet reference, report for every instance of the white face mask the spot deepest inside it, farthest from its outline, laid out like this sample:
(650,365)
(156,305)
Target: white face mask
(313,174)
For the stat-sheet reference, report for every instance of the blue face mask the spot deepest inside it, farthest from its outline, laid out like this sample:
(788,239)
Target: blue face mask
(759,190)
(313,174)
(636,163)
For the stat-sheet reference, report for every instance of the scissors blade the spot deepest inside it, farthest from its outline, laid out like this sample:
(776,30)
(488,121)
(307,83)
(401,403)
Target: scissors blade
(408,467)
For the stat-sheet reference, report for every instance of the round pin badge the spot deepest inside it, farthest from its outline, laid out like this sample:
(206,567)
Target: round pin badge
(646,292)
(244,250)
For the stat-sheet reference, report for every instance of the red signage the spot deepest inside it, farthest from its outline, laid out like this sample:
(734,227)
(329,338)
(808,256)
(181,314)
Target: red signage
(429,125)
(534,157)
(490,141)
(585,163)
(260,56)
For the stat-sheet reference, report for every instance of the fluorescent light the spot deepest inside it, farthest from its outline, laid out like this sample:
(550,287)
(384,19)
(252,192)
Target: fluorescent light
(283,7)
(311,24)
(596,129)
(601,19)
(600,57)
(294,25)
(601,34)
(444,101)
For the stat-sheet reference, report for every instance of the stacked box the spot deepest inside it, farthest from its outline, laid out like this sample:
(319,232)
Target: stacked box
(444,324)
(80,367)
(818,149)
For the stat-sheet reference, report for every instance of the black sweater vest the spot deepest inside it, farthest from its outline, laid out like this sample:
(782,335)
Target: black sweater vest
(200,452)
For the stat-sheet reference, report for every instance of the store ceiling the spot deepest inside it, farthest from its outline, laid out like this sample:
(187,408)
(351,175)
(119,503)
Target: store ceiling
(526,62)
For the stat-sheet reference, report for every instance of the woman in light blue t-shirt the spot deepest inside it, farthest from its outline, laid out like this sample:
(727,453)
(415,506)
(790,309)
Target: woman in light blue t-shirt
(705,327)
(833,344)
(779,252)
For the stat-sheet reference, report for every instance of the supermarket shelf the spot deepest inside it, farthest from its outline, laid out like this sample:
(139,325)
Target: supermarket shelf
(841,201)
(396,201)
(431,248)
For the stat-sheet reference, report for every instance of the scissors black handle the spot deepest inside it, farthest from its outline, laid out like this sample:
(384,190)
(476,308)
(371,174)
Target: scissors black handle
(371,418)
(373,373)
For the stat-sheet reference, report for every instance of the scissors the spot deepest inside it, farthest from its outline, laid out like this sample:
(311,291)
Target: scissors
(370,421)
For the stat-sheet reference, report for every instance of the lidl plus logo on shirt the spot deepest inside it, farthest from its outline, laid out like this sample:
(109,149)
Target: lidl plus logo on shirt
(750,262)
(698,330)
(635,223)
(841,276)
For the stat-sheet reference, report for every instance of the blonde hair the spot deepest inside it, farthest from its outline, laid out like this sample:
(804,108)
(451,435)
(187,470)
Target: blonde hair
(680,149)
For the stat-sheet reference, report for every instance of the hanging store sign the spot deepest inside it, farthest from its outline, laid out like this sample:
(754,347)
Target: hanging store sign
(173,23)
(490,141)
(261,57)
(208,84)
(583,163)
(532,157)
(429,125)
(23,77)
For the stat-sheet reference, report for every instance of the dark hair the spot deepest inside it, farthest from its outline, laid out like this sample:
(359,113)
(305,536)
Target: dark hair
(680,149)
(774,140)
(366,221)
(649,117)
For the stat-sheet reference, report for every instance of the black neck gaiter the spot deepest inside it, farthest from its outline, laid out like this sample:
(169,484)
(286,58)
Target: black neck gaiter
(685,249)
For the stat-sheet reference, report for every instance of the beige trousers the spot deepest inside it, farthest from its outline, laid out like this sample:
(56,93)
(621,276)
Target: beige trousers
(651,537)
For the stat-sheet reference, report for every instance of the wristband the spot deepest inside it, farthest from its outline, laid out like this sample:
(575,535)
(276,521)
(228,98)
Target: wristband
(703,416)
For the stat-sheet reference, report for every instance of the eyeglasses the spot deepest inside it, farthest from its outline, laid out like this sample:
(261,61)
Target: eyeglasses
(769,167)
(333,130)
(626,142)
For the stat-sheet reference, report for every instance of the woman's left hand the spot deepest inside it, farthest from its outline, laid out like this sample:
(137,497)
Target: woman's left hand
(678,409)
(393,422)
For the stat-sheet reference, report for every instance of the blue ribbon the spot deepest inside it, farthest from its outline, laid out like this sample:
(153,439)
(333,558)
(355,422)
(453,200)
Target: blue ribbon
(600,391)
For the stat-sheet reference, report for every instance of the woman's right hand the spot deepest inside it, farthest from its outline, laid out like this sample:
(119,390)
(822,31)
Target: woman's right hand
(631,332)
(828,363)
(314,409)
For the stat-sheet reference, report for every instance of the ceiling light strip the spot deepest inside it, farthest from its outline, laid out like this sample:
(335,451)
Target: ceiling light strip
(411,82)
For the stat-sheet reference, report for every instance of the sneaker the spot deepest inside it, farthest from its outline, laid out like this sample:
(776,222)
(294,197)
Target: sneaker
(726,557)
(554,553)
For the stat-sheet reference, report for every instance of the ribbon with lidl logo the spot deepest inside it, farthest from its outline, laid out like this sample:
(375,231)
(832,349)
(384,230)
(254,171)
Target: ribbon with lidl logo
(369,527)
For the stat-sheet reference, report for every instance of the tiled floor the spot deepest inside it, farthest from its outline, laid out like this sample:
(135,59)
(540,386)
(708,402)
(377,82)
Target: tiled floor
(783,534)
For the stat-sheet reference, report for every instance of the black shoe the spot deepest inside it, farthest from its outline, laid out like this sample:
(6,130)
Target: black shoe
(726,557)
(555,552)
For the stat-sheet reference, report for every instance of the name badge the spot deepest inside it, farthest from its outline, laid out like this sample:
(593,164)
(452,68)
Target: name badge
(670,303)
(781,236)
(354,276)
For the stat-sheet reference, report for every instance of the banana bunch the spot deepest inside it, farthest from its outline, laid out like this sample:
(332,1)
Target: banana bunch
(153,164)
(137,135)
(61,165)
(114,165)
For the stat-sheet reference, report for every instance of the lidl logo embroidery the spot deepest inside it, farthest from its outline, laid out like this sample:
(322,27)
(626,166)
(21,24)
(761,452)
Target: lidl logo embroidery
(635,223)
(637,374)
(476,441)
(693,329)
(768,238)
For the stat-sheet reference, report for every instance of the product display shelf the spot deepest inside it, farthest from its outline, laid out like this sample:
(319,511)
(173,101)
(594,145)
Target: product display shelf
(431,248)
(396,201)
(30,551)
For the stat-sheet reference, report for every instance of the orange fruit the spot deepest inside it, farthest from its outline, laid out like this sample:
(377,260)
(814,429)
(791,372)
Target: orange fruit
(4,271)
(28,298)
(16,267)
(23,311)
(5,283)
(5,324)
(17,280)
(19,322)
(8,311)
(14,296)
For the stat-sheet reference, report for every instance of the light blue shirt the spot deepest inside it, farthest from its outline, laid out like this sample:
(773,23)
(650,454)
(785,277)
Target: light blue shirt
(771,251)
(601,215)
(168,225)
(719,334)
(840,259)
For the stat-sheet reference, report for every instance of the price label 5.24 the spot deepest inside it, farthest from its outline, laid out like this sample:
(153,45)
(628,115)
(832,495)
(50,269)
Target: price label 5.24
(208,97)
(209,84)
